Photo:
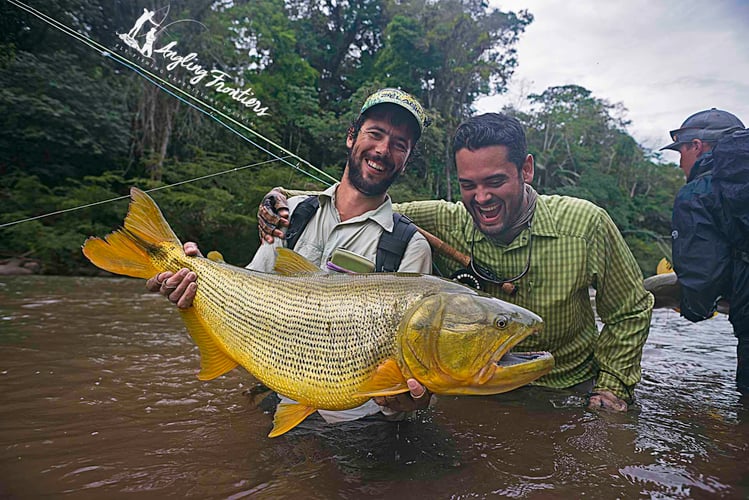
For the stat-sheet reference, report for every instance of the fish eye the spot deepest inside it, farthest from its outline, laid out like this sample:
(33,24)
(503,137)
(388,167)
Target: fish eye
(501,322)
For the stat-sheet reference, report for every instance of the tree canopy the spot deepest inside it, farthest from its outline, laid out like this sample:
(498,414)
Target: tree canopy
(77,128)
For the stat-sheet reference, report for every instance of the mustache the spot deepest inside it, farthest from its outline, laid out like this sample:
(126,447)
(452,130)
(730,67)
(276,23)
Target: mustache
(489,203)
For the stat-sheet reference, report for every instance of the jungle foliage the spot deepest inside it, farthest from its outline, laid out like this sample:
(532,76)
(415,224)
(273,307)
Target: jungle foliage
(76,128)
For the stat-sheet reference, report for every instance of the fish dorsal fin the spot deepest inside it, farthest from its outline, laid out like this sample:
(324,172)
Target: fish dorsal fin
(214,362)
(289,263)
(288,416)
(387,380)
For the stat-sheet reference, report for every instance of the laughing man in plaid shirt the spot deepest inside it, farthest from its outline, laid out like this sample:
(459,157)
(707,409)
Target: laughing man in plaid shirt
(566,244)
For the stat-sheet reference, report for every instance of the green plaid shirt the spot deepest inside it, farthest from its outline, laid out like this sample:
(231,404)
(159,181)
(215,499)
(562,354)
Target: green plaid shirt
(575,246)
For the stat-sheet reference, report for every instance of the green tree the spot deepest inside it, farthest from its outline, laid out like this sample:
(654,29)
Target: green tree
(448,53)
(59,119)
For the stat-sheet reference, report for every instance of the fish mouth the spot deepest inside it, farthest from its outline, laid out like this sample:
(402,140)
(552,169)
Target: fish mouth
(509,370)
(504,349)
(516,358)
(513,370)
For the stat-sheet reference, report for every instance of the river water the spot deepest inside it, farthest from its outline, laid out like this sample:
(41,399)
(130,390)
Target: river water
(100,400)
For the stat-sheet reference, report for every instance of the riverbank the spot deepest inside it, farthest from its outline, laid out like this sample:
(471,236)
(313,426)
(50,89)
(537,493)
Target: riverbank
(19,266)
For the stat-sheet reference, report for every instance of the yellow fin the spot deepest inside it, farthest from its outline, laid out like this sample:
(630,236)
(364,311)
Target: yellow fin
(288,416)
(128,250)
(119,253)
(387,380)
(214,362)
(288,263)
(215,256)
(664,266)
(145,220)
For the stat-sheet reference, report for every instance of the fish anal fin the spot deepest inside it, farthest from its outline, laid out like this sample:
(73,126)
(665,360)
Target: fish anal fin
(387,380)
(288,416)
(289,263)
(214,362)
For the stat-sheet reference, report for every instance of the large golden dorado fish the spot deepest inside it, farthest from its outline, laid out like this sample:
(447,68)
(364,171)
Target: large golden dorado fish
(331,341)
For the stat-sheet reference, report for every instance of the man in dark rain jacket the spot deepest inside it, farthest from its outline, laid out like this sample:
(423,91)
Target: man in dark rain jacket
(710,225)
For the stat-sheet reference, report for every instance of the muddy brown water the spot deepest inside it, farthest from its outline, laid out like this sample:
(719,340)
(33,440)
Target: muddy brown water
(99,400)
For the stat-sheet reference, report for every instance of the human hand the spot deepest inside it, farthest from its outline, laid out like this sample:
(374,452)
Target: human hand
(606,400)
(272,215)
(179,287)
(417,398)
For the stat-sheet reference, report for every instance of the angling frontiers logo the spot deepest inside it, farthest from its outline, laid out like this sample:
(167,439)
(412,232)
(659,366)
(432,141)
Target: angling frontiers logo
(213,80)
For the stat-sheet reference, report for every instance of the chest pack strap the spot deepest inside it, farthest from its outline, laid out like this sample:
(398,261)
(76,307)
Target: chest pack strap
(393,245)
(303,213)
(390,248)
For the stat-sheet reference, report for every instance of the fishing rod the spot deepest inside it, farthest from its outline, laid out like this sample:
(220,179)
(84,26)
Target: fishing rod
(194,102)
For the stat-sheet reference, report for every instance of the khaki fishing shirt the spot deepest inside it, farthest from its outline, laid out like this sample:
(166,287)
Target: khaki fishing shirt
(575,246)
(323,234)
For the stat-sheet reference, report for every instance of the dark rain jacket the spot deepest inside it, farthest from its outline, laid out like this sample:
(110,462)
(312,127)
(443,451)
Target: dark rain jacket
(710,234)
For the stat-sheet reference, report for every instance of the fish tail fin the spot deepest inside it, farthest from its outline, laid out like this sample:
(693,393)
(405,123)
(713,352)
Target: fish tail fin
(130,250)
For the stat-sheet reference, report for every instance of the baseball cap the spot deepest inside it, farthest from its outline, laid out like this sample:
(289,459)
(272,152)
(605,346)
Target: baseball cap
(402,99)
(709,125)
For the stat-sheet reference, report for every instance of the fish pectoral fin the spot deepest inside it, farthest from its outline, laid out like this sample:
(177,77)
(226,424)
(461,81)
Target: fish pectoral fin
(288,416)
(214,362)
(387,380)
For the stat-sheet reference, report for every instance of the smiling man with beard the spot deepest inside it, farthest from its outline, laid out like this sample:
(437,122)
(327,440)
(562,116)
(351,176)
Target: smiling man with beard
(354,214)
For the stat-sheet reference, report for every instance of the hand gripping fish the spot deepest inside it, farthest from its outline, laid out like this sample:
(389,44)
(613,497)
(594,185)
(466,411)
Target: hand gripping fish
(331,340)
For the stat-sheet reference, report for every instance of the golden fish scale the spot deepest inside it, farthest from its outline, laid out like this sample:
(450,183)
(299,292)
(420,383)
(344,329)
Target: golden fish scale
(314,338)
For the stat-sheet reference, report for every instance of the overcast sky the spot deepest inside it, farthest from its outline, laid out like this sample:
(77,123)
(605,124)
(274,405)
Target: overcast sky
(662,59)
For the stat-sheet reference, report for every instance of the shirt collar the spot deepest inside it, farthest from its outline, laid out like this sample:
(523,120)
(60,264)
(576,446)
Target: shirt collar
(382,215)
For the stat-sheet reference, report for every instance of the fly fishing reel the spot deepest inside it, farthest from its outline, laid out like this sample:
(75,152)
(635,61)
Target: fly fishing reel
(467,277)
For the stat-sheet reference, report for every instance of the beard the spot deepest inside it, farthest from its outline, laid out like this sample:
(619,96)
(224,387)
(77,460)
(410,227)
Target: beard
(365,186)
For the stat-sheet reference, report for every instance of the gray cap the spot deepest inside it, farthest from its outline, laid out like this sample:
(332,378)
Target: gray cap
(709,125)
